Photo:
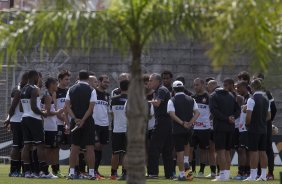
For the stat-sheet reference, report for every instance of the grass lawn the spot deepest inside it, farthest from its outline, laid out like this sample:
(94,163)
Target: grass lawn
(106,171)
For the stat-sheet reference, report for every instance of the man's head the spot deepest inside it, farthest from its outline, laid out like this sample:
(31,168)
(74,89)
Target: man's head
(24,80)
(124,85)
(167,78)
(208,79)
(64,78)
(244,76)
(93,81)
(51,84)
(155,81)
(180,78)
(199,85)
(83,75)
(212,85)
(242,88)
(256,85)
(104,82)
(40,80)
(258,76)
(124,76)
(228,84)
(146,79)
(178,86)
(33,77)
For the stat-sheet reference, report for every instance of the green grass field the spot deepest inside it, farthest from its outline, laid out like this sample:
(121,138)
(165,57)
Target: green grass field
(106,171)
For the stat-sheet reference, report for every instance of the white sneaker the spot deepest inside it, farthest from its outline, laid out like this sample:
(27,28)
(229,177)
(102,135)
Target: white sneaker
(261,179)
(250,179)
(34,175)
(48,176)
(219,179)
(27,175)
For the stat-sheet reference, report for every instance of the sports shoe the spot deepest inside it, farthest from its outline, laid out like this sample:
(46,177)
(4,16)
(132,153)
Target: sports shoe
(122,177)
(47,176)
(99,176)
(211,175)
(261,179)
(34,175)
(250,179)
(238,177)
(152,177)
(113,177)
(27,175)
(88,177)
(72,177)
(59,175)
(270,177)
(14,174)
(218,179)
(183,178)
(200,175)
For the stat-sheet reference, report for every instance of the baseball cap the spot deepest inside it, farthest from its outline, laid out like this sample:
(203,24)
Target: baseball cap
(177,84)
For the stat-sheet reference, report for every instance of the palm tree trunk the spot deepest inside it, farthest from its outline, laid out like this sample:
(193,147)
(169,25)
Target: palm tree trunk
(137,115)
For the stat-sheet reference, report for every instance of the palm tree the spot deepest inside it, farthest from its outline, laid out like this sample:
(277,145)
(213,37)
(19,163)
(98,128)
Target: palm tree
(130,25)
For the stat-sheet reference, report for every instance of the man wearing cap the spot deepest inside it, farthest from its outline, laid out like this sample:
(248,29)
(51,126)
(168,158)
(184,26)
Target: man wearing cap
(184,112)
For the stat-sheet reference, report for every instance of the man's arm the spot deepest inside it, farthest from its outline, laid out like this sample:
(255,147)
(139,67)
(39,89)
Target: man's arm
(273,108)
(15,102)
(214,108)
(90,109)
(33,102)
(160,96)
(171,112)
(250,108)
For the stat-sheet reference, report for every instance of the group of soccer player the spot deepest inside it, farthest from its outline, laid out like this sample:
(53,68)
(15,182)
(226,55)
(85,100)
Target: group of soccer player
(217,120)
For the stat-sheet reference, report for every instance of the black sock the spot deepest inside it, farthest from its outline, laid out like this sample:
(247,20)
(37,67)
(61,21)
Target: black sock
(55,168)
(241,170)
(247,170)
(76,170)
(82,164)
(202,167)
(14,166)
(213,169)
(35,162)
(218,169)
(113,172)
(124,171)
(43,167)
(27,167)
(194,165)
(174,165)
(98,158)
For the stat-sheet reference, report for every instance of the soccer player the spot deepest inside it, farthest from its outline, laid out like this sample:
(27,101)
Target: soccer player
(258,113)
(13,121)
(50,122)
(80,102)
(119,140)
(32,126)
(161,141)
(62,119)
(243,164)
(167,78)
(93,82)
(186,91)
(184,112)
(201,133)
(101,118)
(122,76)
(224,110)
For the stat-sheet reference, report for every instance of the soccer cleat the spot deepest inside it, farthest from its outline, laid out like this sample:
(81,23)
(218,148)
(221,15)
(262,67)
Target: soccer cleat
(88,177)
(27,175)
(179,178)
(47,176)
(99,176)
(250,179)
(71,177)
(113,177)
(152,177)
(122,177)
(34,175)
(14,174)
(270,177)
(261,179)
(59,175)
(238,177)
(211,175)
(200,175)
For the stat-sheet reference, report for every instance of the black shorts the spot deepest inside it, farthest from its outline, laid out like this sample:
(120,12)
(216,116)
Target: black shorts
(102,134)
(33,131)
(51,139)
(85,135)
(201,138)
(180,140)
(257,142)
(63,139)
(212,135)
(235,138)
(119,143)
(243,140)
(16,128)
(223,140)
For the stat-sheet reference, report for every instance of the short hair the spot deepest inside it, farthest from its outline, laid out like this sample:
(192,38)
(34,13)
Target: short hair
(102,77)
(259,75)
(24,76)
(167,72)
(256,84)
(201,80)
(243,84)
(157,76)
(208,79)
(91,73)
(181,78)
(146,78)
(63,74)
(49,81)
(83,75)
(244,76)
(229,81)
(124,84)
(32,73)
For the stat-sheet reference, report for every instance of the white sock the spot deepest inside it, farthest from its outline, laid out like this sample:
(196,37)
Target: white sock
(91,172)
(186,159)
(227,174)
(181,173)
(254,173)
(263,173)
(71,171)
(222,174)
